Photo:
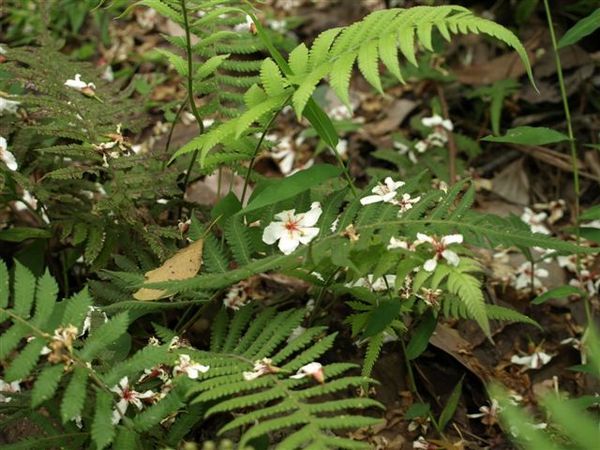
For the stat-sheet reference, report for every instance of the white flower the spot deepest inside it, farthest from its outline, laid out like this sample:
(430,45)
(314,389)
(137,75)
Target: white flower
(440,247)
(383,192)
(437,121)
(248,25)
(11,388)
(236,297)
(292,229)
(277,25)
(487,414)
(283,153)
(589,281)
(78,422)
(524,276)
(405,150)
(421,147)
(261,367)
(534,361)
(313,369)
(190,368)
(592,224)
(568,262)
(127,396)
(422,444)
(397,243)
(9,106)
(342,147)
(536,426)
(7,157)
(340,112)
(431,296)
(377,285)
(296,333)
(406,202)
(81,86)
(334,224)
(87,322)
(535,221)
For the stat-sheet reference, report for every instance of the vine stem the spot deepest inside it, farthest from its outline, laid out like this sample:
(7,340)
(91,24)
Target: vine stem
(190,89)
(565,102)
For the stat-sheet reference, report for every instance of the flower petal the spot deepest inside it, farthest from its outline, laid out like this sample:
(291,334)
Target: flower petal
(369,199)
(452,239)
(288,242)
(312,216)
(451,257)
(273,232)
(430,265)
(308,234)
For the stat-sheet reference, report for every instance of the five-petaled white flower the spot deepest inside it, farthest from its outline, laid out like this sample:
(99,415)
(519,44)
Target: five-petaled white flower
(376,285)
(384,192)
(437,121)
(261,367)
(526,274)
(127,396)
(10,106)
(292,229)
(191,368)
(9,388)
(406,202)
(313,369)
(535,221)
(534,361)
(487,414)
(398,243)
(81,86)
(7,157)
(440,246)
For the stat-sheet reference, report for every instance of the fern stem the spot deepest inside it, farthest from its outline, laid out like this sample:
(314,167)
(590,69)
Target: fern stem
(452,151)
(257,149)
(346,171)
(190,89)
(175,120)
(567,111)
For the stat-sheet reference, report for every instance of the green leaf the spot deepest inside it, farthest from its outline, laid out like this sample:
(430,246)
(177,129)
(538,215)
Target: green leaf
(225,208)
(581,29)
(46,384)
(103,431)
(557,293)
(209,66)
(382,316)
(104,335)
(74,396)
(529,136)
(592,213)
(422,334)
(291,186)
(450,408)
(321,123)
(19,234)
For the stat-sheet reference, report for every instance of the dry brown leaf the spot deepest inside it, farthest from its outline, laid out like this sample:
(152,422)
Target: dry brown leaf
(182,265)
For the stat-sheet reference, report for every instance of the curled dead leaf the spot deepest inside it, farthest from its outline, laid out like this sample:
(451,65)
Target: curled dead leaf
(182,265)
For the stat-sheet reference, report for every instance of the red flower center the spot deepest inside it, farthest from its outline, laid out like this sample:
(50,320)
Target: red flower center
(291,226)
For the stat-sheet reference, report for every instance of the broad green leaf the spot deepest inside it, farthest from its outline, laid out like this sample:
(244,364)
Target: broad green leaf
(225,208)
(19,234)
(422,334)
(321,123)
(285,188)
(529,136)
(559,292)
(581,29)
(382,316)
(592,213)
(450,408)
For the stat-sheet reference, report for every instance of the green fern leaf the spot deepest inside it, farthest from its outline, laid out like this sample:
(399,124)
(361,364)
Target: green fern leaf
(103,431)
(368,61)
(105,335)
(271,79)
(46,384)
(74,396)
